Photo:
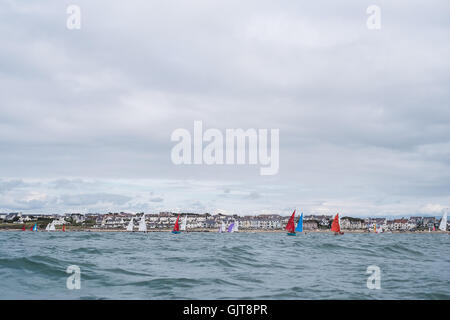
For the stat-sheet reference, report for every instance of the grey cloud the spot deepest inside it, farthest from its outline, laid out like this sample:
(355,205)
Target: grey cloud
(7,185)
(94,198)
(253,195)
(156,199)
(362,115)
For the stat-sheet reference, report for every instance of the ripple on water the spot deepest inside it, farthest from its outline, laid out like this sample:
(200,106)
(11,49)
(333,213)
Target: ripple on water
(210,265)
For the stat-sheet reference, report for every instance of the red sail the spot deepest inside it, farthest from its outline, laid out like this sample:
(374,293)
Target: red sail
(64,228)
(176,227)
(335,225)
(290,227)
(23,228)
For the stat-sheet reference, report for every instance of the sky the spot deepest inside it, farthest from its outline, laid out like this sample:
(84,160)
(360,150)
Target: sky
(86,115)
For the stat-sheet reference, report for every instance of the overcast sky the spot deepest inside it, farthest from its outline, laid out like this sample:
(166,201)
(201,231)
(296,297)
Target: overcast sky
(86,115)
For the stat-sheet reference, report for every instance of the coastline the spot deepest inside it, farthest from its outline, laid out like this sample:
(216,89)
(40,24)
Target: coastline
(201,230)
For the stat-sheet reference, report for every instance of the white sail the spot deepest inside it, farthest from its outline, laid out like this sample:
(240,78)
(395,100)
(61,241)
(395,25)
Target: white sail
(142,224)
(443,224)
(47,228)
(184,223)
(223,227)
(235,227)
(130,225)
(52,226)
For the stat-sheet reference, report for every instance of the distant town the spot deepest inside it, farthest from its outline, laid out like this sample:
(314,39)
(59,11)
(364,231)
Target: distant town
(209,222)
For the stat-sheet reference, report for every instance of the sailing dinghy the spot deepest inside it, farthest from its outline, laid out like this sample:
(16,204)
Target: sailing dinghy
(335,226)
(235,227)
(231,228)
(290,227)
(176,227)
(184,224)
(299,227)
(130,225)
(142,224)
(443,224)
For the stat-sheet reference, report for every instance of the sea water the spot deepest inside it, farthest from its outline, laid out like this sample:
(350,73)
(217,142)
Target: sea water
(161,265)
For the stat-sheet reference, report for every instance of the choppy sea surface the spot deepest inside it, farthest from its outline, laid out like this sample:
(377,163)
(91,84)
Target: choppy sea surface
(160,265)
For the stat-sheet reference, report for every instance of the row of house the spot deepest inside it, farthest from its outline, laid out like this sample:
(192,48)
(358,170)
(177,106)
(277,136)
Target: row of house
(269,221)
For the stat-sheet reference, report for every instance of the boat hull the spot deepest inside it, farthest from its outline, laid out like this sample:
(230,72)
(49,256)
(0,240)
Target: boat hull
(291,233)
(176,232)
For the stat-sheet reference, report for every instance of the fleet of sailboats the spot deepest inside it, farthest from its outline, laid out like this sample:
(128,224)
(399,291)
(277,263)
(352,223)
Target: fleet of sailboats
(379,230)
(234,226)
(50,226)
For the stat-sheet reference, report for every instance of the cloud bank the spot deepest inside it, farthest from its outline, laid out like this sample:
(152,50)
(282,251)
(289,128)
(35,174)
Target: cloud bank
(86,115)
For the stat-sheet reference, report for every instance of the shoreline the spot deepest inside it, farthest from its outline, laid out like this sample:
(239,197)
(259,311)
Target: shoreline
(68,229)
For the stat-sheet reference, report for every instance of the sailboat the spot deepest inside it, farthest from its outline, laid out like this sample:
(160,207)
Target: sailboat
(64,228)
(290,227)
(235,227)
(47,228)
(184,224)
(231,228)
(335,226)
(34,228)
(443,224)
(176,227)
(222,227)
(23,228)
(52,226)
(130,225)
(142,224)
(300,224)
